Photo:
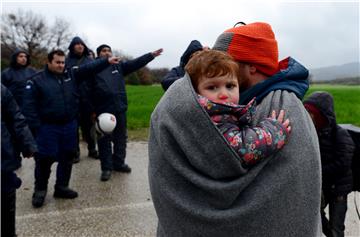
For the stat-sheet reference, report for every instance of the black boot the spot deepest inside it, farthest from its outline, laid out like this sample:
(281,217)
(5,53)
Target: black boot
(105,175)
(93,154)
(65,192)
(38,198)
(122,168)
(76,158)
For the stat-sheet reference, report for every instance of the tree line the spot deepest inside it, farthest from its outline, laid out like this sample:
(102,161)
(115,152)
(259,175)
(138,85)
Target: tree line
(31,32)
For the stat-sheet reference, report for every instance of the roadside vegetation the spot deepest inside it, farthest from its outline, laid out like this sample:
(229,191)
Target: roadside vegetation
(143,99)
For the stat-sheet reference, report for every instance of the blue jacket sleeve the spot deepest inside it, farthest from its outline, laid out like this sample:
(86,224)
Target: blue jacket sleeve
(80,73)
(135,64)
(173,75)
(17,123)
(5,77)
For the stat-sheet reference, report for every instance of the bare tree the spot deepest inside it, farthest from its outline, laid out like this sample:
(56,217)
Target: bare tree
(31,32)
(60,35)
(24,30)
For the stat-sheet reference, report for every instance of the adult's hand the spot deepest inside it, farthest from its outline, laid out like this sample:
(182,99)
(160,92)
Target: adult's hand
(114,60)
(157,52)
(28,154)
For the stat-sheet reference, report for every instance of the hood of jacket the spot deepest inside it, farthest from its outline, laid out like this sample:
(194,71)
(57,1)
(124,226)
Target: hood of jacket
(325,103)
(292,77)
(13,62)
(192,48)
(77,40)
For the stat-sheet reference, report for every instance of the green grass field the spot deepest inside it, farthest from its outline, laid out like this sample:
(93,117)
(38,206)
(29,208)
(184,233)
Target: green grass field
(141,102)
(346,99)
(143,99)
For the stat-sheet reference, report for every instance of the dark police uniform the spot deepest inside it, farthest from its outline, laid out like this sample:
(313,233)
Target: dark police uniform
(13,127)
(109,96)
(51,107)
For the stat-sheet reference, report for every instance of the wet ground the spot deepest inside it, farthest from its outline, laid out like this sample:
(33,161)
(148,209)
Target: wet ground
(119,207)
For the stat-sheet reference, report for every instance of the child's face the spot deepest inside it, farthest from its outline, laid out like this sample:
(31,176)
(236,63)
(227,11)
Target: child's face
(220,89)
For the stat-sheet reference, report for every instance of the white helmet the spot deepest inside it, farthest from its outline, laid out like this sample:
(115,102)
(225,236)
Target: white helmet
(105,123)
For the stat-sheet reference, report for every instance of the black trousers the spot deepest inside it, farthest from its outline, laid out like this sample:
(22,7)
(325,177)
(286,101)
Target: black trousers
(334,226)
(8,209)
(112,157)
(43,170)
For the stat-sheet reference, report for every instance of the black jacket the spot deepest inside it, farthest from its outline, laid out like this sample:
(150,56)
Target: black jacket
(336,148)
(15,77)
(179,71)
(54,98)
(108,91)
(13,129)
(73,60)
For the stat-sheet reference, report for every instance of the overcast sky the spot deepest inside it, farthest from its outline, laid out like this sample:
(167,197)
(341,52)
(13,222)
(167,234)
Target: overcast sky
(316,33)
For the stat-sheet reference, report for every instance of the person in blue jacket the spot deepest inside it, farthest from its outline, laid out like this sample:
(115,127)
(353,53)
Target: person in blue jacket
(13,127)
(79,54)
(14,78)
(179,71)
(51,109)
(109,96)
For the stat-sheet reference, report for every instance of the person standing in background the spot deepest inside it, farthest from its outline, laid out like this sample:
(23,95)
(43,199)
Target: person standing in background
(336,149)
(51,109)
(179,71)
(108,95)
(79,54)
(14,78)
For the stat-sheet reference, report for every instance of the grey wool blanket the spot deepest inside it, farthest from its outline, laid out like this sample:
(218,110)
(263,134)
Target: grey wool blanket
(199,187)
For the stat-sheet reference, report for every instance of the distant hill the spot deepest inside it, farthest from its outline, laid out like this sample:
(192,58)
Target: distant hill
(349,70)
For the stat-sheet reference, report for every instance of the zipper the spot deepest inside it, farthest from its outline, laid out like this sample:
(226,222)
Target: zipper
(61,84)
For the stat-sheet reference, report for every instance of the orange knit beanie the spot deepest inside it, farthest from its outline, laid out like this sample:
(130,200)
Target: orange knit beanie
(253,43)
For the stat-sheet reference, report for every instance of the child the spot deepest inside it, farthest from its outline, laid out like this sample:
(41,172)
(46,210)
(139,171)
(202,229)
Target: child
(214,76)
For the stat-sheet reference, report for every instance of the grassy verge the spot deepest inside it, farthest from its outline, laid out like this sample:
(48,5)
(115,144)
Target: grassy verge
(143,99)
(138,134)
(346,100)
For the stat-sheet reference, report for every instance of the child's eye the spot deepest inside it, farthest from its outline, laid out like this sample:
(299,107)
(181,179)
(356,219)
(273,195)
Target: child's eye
(230,86)
(211,88)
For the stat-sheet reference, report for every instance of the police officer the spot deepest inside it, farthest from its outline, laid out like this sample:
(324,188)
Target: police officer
(14,78)
(79,54)
(13,127)
(51,108)
(109,96)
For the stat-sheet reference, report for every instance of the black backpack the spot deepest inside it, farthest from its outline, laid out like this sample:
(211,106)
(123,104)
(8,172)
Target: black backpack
(355,134)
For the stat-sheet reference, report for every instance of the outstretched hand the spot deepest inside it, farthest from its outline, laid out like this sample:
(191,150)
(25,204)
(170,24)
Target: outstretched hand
(114,60)
(280,119)
(157,52)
